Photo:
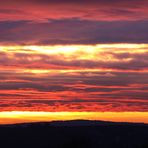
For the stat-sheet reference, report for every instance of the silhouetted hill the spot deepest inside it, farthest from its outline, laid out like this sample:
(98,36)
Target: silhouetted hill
(74,134)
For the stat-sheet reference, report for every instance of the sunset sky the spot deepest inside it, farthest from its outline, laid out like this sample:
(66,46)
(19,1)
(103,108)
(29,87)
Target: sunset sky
(88,56)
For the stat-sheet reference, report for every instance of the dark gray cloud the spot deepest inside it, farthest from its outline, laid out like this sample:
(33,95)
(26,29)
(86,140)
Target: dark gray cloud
(73,31)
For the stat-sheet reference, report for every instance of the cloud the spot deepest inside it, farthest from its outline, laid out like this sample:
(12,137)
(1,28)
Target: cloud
(124,60)
(36,105)
(85,10)
(72,31)
(104,77)
(73,22)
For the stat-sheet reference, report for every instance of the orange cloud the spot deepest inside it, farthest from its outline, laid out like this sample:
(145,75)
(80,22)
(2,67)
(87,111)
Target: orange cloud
(102,77)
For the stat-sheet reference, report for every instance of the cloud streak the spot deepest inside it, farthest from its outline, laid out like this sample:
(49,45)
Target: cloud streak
(72,31)
(84,10)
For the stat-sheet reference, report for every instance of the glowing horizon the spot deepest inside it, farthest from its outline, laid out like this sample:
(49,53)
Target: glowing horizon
(27,117)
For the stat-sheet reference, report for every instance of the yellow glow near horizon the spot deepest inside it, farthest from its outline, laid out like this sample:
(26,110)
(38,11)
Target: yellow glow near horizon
(22,117)
(53,49)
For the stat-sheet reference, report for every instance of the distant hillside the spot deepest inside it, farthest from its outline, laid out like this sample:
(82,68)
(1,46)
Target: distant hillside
(74,134)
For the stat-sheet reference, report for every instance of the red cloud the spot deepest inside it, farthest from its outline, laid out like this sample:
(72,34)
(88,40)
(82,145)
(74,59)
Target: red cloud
(85,10)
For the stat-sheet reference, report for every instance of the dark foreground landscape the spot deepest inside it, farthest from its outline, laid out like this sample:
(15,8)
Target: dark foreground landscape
(74,134)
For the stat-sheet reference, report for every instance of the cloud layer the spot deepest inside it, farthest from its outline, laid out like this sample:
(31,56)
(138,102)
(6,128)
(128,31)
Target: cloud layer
(73,22)
(107,77)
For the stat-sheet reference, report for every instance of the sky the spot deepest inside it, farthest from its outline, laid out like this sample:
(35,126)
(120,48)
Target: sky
(74,56)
